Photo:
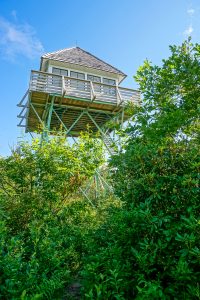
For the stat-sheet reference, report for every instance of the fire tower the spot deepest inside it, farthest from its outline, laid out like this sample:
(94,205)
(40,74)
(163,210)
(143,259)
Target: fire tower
(74,89)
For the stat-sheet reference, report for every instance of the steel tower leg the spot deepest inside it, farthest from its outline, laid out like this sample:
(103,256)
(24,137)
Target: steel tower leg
(47,123)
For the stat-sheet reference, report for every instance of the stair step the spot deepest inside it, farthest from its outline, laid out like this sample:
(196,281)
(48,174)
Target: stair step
(109,144)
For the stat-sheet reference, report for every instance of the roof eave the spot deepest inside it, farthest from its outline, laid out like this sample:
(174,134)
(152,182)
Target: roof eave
(83,65)
(122,78)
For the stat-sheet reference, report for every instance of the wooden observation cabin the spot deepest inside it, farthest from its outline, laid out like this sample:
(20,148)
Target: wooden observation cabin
(74,89)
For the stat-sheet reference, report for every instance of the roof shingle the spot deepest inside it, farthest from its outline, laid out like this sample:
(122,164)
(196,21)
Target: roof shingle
(78,56)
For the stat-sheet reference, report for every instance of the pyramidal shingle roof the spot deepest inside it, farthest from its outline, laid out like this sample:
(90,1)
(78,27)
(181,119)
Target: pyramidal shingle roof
(78,56)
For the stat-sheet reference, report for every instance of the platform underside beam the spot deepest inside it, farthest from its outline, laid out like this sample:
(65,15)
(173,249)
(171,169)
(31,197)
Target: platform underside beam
(70,112)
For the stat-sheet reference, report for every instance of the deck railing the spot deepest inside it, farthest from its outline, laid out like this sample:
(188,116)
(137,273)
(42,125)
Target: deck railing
(79,88)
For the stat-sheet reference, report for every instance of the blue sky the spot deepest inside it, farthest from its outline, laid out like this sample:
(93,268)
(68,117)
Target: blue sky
(123,33)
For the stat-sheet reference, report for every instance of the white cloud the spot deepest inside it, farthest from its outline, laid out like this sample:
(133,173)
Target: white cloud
(191,11)
(189,30)
(18,39)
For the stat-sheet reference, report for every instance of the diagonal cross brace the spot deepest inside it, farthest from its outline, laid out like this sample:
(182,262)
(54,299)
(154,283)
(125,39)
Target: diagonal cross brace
(31,105)
(101,131)
(62,123)
(21,103)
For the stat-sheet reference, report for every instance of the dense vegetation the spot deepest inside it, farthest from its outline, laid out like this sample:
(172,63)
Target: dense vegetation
(145,244)
(43,226)
(150,249)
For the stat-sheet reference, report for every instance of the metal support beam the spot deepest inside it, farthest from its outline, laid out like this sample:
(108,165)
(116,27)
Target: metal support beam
(20,123)
(48,124)
(20,104)
(82,191)
(99,184)
(21,112)
(95,123)
(31,105)
(63,124)
(45,108)
(101,131)
(31,134)
(122,118)
(78,108)
(108,186)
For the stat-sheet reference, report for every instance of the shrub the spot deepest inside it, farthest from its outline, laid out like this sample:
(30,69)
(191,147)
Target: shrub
(153,242)
(43,225)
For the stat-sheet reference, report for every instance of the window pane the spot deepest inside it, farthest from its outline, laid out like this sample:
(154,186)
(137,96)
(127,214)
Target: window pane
(81,76)
(90,77)
(94,78)
(97,79)
(77,75)
(73,74)
(109,81)
(105,80)
(56,71)
(64,72)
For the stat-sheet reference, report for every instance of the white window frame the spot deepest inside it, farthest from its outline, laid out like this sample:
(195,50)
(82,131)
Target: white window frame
(50,68)
(77,73)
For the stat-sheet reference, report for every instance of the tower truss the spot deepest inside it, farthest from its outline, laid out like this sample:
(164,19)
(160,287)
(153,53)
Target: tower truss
(53,102)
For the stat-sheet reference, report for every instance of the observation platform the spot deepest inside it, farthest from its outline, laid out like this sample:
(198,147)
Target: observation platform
(73,103)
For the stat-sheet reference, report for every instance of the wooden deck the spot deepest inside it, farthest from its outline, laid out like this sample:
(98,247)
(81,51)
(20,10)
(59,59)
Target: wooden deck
(71,100)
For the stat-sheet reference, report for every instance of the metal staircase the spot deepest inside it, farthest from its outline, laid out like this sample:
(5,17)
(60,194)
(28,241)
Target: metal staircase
(110,144)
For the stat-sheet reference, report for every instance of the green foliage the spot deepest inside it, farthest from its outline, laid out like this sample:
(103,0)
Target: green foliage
(146,244)
(43,225)
(38,178)
(153,241)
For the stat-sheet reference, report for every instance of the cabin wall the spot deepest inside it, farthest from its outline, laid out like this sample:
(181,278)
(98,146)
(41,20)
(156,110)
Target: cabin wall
(93,72)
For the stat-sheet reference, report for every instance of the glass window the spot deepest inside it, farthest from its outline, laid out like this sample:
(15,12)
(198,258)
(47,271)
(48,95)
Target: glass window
(109,81)
(97,87)
(111,91)
(94,78)
(77,75)
(58,71)
(63,72)
(78,85)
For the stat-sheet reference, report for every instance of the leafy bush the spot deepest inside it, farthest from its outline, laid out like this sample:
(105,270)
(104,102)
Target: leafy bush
(151,246)
(43,224)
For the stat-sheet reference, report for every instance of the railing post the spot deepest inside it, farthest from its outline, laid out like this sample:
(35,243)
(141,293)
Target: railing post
(119,98)
(63,86)
(93,96)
